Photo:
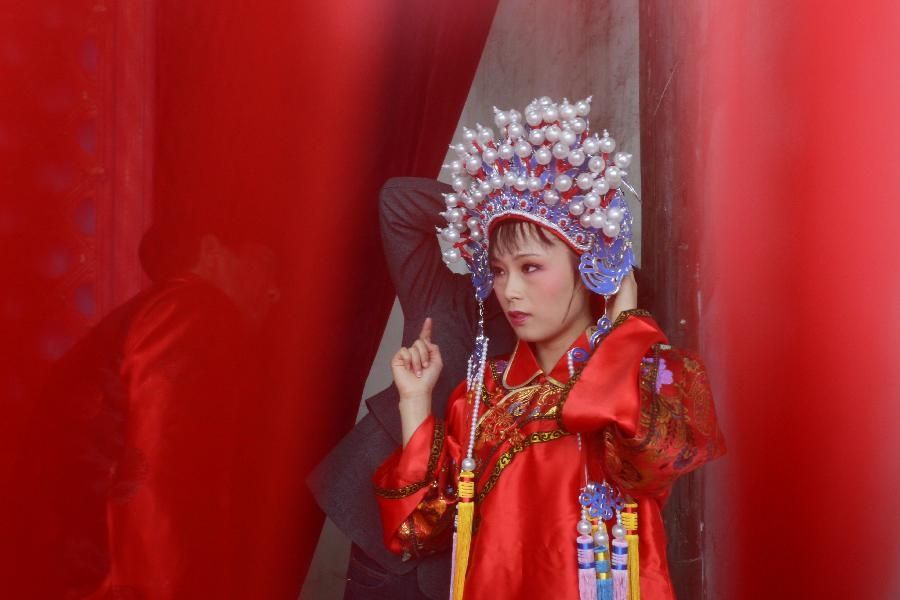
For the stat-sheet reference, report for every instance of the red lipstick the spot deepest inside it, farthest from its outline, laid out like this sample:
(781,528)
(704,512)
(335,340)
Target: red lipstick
(517,317)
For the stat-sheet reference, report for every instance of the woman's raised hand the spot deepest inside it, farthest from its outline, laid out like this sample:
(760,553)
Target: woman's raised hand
(416,368)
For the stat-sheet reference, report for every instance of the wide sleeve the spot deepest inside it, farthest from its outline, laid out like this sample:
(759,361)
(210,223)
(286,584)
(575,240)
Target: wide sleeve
(676,429)
(651,404)
(416,486)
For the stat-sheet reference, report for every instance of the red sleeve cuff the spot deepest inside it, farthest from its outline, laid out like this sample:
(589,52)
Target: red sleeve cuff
(607,389)
(412,468)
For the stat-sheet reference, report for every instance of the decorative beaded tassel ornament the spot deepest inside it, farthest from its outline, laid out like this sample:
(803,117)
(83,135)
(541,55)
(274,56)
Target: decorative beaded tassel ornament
(630,522)
(465,505)
(548,168)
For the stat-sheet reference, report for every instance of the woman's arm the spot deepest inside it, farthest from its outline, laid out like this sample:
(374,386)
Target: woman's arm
(651,403)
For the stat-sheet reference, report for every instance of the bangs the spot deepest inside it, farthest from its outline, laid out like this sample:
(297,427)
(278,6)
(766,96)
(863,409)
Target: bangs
(509,236)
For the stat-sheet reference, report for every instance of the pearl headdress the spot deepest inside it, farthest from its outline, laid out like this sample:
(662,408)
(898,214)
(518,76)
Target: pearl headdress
(551,170)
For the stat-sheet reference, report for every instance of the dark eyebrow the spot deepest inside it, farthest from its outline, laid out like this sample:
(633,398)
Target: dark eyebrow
(519,255)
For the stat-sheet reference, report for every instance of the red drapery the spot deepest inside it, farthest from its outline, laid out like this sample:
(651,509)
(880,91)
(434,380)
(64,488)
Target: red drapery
(286,114)
(770,138)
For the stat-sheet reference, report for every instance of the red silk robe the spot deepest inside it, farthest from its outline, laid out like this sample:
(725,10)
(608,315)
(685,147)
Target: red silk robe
(179,494)
(645,415)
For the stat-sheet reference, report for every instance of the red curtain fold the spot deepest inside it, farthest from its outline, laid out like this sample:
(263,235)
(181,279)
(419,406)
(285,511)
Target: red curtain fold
(285,117)
(770,138)
(293,117)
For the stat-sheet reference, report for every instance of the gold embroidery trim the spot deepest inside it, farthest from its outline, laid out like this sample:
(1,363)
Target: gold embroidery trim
(436,446)
(538,437)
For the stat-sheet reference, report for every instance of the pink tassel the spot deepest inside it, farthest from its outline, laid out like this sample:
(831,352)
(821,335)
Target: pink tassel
(587,584)
(620,569)
(452,562)
(587,575)
(620,585)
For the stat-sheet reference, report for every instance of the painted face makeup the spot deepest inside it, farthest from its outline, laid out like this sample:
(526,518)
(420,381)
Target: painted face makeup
(537,288)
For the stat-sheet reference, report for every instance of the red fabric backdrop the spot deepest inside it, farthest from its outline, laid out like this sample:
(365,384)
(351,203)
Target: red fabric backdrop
(771,132)
(287,115)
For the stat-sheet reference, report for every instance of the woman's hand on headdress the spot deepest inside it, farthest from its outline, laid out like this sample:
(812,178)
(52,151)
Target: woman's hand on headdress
(416,369)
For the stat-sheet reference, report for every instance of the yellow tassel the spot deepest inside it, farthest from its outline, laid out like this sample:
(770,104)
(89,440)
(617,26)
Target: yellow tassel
(630,522)
(465,511)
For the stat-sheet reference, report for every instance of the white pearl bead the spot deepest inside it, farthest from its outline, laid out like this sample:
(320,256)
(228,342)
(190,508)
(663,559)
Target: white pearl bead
(576,157)
(560,150)
(509,178)
(533,118)
(601,186)
(618,531)
(458,226)
(585,220)
(615,214)
(607,144)
(611,229)
(496,182)
(485,188)
(476,235)
(451,200)
(505,151)
(584,181)
(613,175)
(591,200)
(552,133)
(591,145)
(461,150)
(550,114)
(543,156)
(472,223)
(452,255)
(489,155)
(520,184)
(515,116)
(562,182)
(454,215)
(469,135)
(596,164)
(515,131)
(473,163)
(534,184)
(456,166)
(500,118)
(551,197)
(576,208)
(536,137)
(545,100)
(459,184)
(471,203)
(567,111)
(451,235)
(623,160)
(601,538)
(578,125)
(523,149)
(468,464)
(567,137)
(583,107)
(584,528)
(597,220)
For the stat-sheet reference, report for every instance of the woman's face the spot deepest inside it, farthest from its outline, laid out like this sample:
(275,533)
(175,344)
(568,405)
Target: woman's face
(538,288)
